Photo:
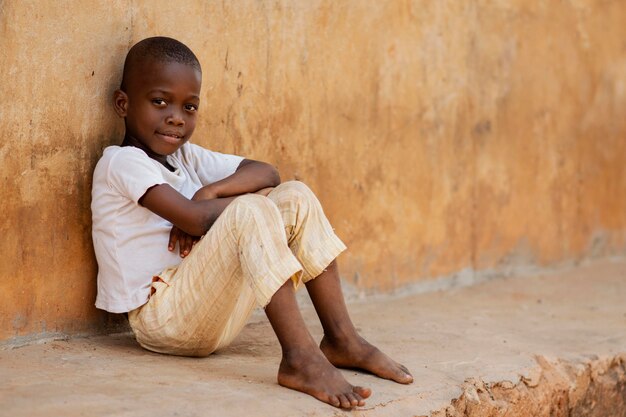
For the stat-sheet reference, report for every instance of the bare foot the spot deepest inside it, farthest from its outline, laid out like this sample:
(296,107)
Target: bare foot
(357,353)
(314,375)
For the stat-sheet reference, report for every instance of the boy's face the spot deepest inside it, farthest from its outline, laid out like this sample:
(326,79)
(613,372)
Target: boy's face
(160,105)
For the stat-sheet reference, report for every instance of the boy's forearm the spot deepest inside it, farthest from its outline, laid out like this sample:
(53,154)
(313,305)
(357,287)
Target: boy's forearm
(251,176)
(192,217)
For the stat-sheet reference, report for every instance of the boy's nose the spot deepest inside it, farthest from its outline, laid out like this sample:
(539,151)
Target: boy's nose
(175,119)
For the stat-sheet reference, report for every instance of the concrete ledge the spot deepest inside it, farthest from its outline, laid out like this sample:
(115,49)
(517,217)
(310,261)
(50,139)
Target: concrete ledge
(541,345)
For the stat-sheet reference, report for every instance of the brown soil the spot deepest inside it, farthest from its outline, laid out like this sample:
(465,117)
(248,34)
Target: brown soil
(596,388)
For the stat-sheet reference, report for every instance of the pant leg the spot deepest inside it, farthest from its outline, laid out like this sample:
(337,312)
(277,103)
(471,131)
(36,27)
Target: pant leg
(241,262)
(309,233)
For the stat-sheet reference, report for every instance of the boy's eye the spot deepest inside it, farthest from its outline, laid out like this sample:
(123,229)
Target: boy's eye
(159,102)
(191,107)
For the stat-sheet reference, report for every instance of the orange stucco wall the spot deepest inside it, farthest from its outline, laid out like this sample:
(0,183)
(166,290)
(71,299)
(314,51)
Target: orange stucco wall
(440,136)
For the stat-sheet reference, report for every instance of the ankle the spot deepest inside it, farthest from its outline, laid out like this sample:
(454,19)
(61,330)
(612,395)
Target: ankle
(296,356)
(341,338)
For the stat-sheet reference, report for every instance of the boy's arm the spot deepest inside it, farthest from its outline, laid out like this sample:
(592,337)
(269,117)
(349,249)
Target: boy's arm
(190,216)
(196,216)
(250,177)
(186,241)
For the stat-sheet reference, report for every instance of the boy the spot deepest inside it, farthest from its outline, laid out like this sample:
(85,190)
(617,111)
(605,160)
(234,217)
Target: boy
(156,191)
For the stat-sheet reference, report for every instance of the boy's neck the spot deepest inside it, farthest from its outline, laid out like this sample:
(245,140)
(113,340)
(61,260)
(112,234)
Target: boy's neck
(162,159)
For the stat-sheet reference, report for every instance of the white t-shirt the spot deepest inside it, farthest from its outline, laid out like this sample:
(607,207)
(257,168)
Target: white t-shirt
(130,241)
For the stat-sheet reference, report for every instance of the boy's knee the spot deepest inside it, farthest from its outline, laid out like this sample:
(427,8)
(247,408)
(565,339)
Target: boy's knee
(250,211)
(296,189)
(297,186)
(253,203)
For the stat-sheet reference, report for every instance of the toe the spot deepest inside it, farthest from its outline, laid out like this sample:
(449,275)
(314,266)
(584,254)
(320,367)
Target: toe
(403,378)
(354,401)
(334,401)
(362,392)
(406,377)
(345,403)
(359,400)
(397,373)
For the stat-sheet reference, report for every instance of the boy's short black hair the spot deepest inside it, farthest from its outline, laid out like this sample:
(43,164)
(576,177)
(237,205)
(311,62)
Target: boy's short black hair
(161,49)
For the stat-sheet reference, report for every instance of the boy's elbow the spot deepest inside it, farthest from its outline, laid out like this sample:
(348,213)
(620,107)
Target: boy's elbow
(195,228)
(265,175)
(200,223)
(198,230)
(274,177)
(204,224)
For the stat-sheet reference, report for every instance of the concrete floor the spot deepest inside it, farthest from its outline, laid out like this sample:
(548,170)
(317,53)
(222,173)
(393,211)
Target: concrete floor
(492,331)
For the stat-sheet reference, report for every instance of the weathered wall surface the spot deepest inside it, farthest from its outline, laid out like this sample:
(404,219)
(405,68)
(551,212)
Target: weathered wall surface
(440,136)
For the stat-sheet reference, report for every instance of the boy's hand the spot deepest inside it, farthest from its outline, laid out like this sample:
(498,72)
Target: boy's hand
(185,241)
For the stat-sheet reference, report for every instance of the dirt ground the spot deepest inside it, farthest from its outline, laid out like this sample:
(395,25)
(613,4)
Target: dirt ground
(564,329)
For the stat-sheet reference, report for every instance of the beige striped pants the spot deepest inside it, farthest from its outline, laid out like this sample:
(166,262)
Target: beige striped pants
(253,248)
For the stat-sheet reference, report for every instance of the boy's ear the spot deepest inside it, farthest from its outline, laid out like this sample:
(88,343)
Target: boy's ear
(120,102)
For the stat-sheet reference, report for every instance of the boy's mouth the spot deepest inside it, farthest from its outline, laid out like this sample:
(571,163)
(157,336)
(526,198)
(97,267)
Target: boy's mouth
(172,137)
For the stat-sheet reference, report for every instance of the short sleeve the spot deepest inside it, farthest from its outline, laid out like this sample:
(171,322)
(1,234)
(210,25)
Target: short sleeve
(132,173)
(212,166)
